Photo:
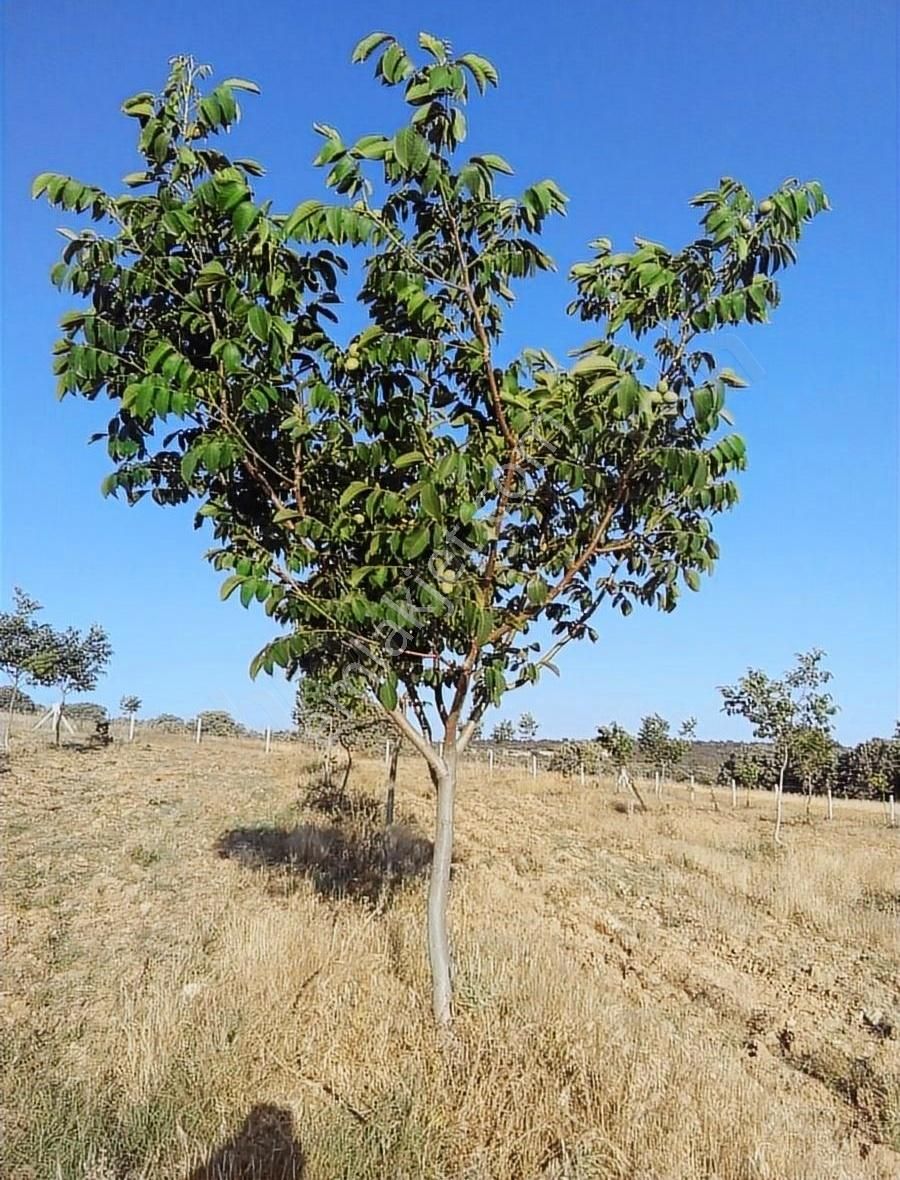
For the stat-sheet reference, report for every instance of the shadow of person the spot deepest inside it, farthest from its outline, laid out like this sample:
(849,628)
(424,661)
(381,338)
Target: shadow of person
(263,1148)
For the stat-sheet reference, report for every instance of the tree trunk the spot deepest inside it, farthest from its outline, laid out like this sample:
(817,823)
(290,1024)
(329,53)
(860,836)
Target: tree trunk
(391,784)
(57,722)
(346,779)
(328,750)
(9,714)
(779,793)
(439,892)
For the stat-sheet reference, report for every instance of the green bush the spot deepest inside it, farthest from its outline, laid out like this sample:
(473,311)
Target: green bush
(568,758)
(218,723)
(168,723)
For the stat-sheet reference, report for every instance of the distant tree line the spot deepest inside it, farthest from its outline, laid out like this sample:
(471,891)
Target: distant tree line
(869,770)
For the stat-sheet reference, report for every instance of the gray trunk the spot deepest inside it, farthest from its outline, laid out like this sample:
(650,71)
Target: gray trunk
(9,715)
(779,800)
(439,893)
(391,785)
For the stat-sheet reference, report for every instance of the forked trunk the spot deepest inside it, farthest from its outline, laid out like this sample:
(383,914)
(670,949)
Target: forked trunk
(439,893)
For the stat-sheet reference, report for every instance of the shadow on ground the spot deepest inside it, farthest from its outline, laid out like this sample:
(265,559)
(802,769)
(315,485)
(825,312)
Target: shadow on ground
(336,802)
(341,861)
(263,1148)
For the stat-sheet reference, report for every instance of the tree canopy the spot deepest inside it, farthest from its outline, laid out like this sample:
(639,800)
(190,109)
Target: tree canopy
(793,713)
(407,484)
(657,745)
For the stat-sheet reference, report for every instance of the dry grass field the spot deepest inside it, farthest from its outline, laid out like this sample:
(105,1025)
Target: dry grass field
(649,997)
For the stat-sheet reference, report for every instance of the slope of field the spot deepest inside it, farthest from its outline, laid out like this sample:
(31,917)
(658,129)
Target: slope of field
(195,987)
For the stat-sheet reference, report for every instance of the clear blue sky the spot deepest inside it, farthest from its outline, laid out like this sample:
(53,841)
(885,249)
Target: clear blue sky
(632,106)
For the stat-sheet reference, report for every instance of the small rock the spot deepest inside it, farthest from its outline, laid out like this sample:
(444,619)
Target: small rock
(878,1024)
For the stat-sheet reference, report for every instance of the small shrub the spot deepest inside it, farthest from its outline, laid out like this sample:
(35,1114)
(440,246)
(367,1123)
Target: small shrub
(218,723)
(568,759)
(86,712)
(168,723)
(145,857)
(23,702)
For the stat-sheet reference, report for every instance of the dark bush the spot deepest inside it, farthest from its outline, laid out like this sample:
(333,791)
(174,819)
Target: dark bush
(86,712)
(568,758)
(168,723)
(218,723)
(23,702)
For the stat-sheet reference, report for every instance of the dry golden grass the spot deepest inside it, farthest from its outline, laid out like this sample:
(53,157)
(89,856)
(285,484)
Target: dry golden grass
(655,997)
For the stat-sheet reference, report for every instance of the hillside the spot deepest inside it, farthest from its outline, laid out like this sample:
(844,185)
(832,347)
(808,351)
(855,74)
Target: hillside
(664,996)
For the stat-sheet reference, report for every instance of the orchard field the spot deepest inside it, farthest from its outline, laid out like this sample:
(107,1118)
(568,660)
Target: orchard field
(214,967)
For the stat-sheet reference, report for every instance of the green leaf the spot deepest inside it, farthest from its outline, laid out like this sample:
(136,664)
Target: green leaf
(729,377)
(408,459)
(139,105)
(190,461)
(358,608)
(411,150)
(701,473)
(481,69)
(431,501)
(417,541)
(72,319)
(229,586)
(692,578)
(301,215)
(495,163)
(231,357)
(158,355)
(537,590)
(594,363)
(244,216)
(241,84)
(352,491)
(258,323)
(703,401)
(387,693)
(251,166)
(360,573)
(372,147)
(434,46)
(211,275)
(628,393)
(41,182)
(395,65)
(368,45)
